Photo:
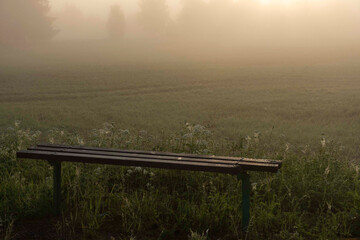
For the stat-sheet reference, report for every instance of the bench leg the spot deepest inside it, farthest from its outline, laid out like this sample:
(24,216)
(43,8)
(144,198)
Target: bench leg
(246,188)
(57,187)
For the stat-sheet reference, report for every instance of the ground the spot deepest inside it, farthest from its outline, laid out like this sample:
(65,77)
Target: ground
(301,102)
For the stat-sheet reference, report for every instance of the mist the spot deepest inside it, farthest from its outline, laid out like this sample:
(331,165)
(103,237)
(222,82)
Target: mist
(214,30)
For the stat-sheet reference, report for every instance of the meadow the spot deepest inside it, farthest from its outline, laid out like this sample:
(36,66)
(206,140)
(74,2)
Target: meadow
(306,115)
(300,102)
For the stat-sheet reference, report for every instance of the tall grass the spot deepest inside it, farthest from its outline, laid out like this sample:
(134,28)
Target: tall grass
(316,194)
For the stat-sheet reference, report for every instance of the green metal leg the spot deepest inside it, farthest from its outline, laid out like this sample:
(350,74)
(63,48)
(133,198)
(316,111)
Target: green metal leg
(246,188)
(57,187)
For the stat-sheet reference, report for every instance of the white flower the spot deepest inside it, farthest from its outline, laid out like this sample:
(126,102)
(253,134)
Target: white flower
(287,146)
(188,135)
(80,141)
(17,123)
(97,171)
(327,171)
(256,136)
(329,205)
(323,142)
(125,132)
(188,125)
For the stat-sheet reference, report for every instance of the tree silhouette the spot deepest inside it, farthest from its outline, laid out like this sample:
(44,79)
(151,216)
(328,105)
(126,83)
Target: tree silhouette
(25,22)
(116,22)
(154,15)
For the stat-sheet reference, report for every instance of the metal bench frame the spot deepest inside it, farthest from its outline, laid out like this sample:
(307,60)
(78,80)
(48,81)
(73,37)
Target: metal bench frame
(56,154)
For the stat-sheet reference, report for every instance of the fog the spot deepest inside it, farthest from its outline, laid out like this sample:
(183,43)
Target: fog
(215,30)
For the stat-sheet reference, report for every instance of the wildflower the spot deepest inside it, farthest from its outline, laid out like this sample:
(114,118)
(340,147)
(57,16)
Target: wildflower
(97,171)
(125,132)
(108,126)
(323,142)
(17,123)
(80,141)
(329,205)
(327,171)
(138,169)
(36,134)
(188,135)
(201,142)
(189,127)
(287,146)
(305,150)
(207,133)
(143,133)
(256,136)
(198,128)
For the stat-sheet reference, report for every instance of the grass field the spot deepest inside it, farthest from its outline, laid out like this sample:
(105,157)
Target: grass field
(280,112)
(300,102)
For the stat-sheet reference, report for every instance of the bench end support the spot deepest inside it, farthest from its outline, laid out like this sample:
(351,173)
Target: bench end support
(57,187)
(246,188)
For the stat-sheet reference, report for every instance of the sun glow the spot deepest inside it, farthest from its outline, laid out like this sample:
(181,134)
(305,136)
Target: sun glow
(265,2)
(268,2)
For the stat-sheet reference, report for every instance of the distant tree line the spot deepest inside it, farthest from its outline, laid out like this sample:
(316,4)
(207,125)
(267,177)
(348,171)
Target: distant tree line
(116,22)
(25,22)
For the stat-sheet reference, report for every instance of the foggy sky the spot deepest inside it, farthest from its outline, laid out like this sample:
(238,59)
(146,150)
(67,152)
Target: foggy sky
(101,8)
(210,29)
(267,20)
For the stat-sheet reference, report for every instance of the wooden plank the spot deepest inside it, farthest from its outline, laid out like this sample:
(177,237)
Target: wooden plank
(164,154)
(162,160)
(145,156)
(126,161)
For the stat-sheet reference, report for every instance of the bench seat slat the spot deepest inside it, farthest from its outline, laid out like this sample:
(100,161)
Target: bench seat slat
(151,153)
(146,156)
(157,163)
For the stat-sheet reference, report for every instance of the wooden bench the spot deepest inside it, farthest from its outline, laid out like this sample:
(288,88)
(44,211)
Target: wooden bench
(56,154)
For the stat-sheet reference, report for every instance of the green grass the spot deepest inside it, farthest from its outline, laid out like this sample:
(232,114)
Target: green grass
(301,102)
(315,196)
(290,108)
